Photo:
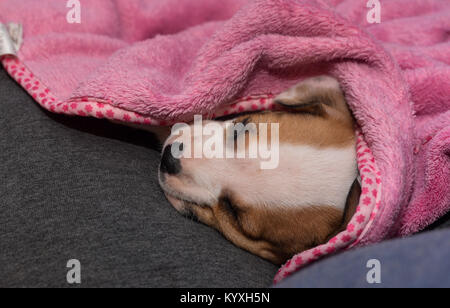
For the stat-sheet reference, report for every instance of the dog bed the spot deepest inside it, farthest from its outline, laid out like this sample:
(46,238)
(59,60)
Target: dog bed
(161,62)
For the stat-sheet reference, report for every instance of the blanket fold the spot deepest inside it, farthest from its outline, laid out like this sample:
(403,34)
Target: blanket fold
(162,61)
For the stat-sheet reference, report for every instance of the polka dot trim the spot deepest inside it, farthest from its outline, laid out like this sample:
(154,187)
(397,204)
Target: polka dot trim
(366,212)
(104,109)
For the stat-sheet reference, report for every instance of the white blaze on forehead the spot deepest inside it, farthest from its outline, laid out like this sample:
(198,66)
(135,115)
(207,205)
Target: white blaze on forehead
(306,176)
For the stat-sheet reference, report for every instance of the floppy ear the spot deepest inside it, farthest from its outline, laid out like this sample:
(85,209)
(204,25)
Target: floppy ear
(321,96)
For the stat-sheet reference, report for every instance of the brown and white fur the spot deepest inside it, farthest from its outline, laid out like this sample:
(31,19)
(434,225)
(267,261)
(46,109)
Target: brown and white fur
(276,213)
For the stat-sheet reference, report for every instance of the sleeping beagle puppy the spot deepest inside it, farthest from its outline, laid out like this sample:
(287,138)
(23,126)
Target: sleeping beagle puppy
(276,213)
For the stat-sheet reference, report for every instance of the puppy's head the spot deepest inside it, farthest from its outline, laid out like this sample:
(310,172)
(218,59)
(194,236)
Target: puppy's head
(306,197)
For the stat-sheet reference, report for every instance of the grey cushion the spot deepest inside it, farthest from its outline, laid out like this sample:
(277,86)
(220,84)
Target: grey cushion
(78,188)
(416,262)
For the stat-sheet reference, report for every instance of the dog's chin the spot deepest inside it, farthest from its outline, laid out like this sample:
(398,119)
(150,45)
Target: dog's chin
(177,200)
(178,204)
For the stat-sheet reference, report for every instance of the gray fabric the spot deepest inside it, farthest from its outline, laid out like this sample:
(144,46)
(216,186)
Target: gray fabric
(419,261)
(75,188)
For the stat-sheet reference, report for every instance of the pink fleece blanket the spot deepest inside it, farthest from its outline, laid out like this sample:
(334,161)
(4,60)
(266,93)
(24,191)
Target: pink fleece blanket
(157,62)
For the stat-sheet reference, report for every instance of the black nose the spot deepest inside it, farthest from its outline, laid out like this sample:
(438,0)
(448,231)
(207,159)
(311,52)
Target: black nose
(170,164)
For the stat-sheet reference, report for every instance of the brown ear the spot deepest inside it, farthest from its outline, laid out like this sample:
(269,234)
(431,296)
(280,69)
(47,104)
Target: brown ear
(321,96)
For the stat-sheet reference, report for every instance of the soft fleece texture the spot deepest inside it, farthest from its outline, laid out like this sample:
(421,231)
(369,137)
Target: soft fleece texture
(155,62)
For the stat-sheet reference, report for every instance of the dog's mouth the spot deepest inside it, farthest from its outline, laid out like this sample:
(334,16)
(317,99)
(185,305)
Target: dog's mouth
(182,199)
(176,198)
(184,207)
(179,201)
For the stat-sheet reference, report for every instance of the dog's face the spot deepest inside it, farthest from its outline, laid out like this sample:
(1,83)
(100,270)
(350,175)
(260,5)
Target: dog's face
(280,211)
